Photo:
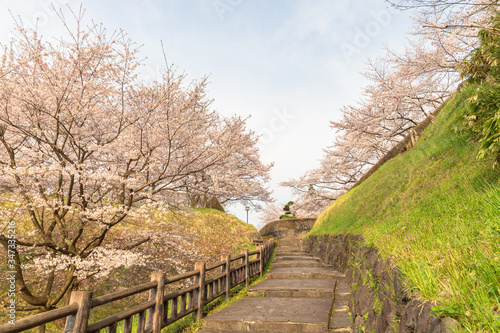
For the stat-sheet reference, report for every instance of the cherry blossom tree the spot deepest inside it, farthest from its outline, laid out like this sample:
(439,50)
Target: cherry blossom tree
(84,144)
(311,203)
(242,176)
(451,27)
(404,88)
(271,210)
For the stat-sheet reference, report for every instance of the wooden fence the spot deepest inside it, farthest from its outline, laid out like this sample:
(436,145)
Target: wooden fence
(161,309)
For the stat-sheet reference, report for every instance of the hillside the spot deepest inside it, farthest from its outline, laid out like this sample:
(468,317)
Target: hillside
(178,239)
(434,211)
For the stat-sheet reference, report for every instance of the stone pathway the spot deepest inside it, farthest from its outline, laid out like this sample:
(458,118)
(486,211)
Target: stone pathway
(299,293)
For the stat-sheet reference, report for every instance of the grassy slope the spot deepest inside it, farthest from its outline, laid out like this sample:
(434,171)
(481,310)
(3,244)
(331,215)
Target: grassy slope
(219,228)
(435,210)
(211,231)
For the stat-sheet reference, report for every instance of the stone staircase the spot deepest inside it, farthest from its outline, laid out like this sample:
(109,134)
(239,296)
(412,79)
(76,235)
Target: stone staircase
(299,295)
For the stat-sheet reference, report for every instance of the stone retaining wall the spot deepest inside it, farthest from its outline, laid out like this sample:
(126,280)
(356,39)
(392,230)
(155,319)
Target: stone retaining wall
(378,302)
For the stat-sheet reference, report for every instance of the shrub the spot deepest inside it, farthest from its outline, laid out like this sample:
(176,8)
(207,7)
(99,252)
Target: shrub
(483,114)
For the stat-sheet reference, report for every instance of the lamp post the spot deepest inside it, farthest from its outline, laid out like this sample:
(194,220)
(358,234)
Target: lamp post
(247,208)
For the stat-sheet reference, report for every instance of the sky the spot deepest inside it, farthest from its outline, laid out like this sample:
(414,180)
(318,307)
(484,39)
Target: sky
(288,65)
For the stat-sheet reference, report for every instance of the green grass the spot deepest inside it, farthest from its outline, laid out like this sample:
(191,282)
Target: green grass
(435,210)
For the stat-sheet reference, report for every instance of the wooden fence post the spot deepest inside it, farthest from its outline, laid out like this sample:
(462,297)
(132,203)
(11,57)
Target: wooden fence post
(156,294)
(261,261)
(200,295)
(151,311)
(264,253)
(247,272)
(226,268)
(78,323)
(157,315)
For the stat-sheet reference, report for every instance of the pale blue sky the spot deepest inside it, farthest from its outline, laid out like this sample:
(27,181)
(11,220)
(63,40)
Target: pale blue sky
(290,64)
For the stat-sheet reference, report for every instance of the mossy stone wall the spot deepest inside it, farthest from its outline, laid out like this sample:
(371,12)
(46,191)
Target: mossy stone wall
(378,302)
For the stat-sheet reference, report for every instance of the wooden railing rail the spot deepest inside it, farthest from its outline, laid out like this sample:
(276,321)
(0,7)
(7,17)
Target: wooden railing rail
(160,309)
(122,294)
(40,319)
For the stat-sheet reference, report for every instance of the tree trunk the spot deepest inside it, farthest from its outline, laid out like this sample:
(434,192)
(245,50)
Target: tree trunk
(61,323)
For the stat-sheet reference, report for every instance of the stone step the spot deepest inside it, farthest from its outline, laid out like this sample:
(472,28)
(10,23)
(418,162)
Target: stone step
(297,263)
(293,258)
(292,254)
(340,321)
(287,250)
(290,248)
(270,314)
(303,273)
(342,291)
(316,288)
